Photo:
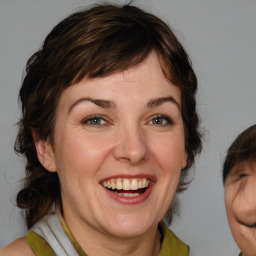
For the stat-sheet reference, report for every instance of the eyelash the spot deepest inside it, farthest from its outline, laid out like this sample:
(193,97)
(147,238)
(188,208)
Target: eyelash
(242,175)
(89,120)
(161,120)
(167,119)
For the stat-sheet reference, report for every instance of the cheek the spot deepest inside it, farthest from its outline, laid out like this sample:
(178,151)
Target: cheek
(228,205)
(80,155)
(231,213)
(169,152)
(234,207)
(231,201)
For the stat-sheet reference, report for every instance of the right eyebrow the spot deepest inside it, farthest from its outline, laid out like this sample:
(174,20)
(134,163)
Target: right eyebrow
(98,102)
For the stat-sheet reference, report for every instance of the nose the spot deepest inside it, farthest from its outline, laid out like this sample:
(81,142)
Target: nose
(131,145)
(246,202)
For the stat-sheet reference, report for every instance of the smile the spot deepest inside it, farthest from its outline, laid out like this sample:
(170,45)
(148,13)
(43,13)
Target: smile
(127,187)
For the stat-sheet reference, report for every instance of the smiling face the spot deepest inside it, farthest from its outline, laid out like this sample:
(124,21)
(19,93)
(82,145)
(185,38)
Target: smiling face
(119,148)
(240,199)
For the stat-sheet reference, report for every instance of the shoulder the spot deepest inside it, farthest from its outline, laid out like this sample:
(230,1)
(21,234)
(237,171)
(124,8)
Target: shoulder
(17,248)
(171,244)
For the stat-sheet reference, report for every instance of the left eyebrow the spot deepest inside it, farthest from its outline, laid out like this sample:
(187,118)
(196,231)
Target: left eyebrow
(159,101)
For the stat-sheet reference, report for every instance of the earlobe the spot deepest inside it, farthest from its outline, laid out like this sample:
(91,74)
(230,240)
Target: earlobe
(184,163)
(45,154)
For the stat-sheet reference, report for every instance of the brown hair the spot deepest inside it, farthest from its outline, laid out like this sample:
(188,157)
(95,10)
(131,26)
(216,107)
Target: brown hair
(90,43)
(243,149)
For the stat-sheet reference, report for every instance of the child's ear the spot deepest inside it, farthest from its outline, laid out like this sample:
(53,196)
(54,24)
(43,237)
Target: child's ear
(45,153)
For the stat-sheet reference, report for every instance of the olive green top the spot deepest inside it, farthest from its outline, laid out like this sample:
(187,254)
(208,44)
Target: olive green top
(171,244)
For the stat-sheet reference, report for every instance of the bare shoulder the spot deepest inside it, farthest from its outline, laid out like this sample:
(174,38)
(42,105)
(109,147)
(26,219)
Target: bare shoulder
(17,248)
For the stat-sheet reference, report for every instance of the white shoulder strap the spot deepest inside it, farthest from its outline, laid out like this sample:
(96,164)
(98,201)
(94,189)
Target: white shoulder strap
(49,228)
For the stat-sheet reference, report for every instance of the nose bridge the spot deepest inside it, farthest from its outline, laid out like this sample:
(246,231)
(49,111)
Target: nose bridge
(131,144)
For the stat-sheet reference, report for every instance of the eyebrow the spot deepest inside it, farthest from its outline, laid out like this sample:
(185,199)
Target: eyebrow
(159,101)
(98,102)
(110,104)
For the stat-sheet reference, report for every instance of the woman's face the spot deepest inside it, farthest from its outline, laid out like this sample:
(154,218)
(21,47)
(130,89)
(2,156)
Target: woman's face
(118,150)
(240,199)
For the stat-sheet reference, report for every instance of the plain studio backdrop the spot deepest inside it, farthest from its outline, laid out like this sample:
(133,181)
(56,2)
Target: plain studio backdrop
(220,38)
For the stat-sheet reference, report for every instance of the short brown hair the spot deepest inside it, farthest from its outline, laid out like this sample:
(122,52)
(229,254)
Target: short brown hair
(242,150)
(94,42)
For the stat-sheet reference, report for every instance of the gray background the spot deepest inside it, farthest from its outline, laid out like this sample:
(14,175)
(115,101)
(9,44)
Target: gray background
(220,38)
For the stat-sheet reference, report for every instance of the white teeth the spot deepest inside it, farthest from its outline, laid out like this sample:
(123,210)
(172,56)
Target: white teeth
(113,185)
(134,184)
(144,183)
(126,184)
(127,194)
(119,184)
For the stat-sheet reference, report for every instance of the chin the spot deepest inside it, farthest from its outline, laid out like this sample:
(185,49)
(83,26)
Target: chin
(130,228)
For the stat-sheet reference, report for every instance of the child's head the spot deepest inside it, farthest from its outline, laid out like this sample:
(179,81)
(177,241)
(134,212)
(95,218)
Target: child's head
(239,177)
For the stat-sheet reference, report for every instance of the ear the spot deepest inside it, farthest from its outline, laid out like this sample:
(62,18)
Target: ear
(45,153)
(184,162)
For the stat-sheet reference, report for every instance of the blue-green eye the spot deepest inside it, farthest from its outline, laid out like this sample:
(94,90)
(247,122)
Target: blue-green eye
(161,120)
(94,120)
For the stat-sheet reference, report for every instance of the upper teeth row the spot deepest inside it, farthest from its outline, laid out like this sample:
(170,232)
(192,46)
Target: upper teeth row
(126,184)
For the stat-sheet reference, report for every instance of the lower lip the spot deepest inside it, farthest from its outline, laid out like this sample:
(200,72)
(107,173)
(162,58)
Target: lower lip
(131,200)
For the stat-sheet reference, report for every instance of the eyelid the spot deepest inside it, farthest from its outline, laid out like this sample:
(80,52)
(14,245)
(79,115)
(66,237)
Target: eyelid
(91,117)
(240,176)
(160,116)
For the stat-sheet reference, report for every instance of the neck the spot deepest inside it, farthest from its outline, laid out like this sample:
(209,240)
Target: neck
(94,242)
(146,245)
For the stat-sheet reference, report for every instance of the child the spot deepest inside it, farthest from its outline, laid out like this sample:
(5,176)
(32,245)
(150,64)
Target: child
(239,177)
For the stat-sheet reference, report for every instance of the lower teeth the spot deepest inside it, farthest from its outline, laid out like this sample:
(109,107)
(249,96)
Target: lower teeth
(127,194)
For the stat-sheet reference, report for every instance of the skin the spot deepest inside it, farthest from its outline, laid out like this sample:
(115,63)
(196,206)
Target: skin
(17,248)
(138,133)
(240,191)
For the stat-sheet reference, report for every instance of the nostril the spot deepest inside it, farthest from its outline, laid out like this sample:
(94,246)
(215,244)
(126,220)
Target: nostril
(131,151)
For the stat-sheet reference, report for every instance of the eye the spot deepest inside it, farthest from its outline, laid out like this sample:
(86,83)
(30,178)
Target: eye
(161,120)
(94,121)
(242,175)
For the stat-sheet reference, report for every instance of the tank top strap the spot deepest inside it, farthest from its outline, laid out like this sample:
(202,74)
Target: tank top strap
(171,244)
(50,230)
(38,245)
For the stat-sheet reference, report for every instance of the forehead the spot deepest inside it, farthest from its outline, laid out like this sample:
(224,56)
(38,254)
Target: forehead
(144,80)
(243,166)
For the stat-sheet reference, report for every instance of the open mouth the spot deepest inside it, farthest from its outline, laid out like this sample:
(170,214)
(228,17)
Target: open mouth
(127,187)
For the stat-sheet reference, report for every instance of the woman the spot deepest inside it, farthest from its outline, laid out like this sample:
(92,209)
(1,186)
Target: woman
(239,177)
(109,128)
